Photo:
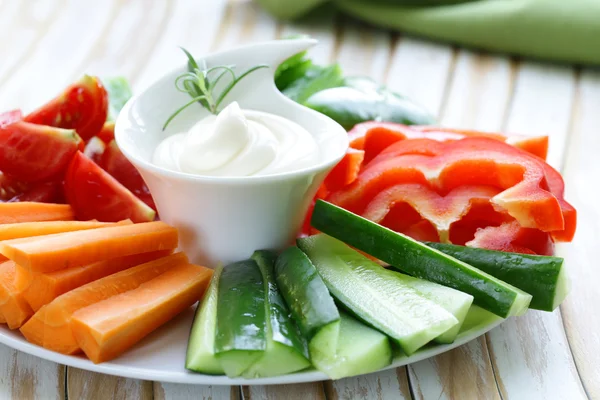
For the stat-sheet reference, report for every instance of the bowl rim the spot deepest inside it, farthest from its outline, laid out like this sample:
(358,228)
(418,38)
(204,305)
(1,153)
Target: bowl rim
(122,124)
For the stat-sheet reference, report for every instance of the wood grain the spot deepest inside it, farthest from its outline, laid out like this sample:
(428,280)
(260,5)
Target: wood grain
(172,391)
(579,311)
(391,384)
(26,377)
(88,385)
(301,391)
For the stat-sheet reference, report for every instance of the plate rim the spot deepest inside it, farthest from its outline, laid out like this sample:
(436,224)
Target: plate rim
(114,368)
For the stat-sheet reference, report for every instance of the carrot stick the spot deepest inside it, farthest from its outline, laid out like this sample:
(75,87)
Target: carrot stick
(13,306)
(74,249)
(31,229)
(43,288)
(49,327)
(27,211)
(106,329)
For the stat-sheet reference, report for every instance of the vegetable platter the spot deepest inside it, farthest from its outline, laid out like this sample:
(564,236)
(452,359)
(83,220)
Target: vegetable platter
(401,239)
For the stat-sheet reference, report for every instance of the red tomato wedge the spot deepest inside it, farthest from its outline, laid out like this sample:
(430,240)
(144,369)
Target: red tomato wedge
(83,106)
(94,194)
(118,166)
(42,192)
(33,153)
(10,117)
(10,187)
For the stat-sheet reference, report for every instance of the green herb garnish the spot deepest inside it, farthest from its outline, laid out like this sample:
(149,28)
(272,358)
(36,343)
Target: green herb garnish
(200,83)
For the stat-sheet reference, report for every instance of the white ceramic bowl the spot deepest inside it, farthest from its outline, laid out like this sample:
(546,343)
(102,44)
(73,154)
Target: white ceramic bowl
(224,219)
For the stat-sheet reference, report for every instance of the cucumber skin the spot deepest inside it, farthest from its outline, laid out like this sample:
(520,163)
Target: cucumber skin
(415,258)
(241,320)
(208,363)
(536,275)
(303,289)
(283,329)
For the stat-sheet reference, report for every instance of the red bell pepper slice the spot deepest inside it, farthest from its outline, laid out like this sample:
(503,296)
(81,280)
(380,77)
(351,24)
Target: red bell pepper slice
(445,166)
(440,211)
(512,237)
(346,171)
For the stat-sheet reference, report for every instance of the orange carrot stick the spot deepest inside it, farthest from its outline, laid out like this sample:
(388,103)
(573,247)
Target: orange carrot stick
(49,327)
(13,306)
(31,229)
(43,288)
(106,329)
(27,211)
(73,249)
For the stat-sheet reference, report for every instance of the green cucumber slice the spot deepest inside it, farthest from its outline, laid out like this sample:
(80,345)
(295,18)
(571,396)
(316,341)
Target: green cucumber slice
(419,260)
(309,301)
(240,338)
(287,350)
(454,301)
(476,319)
(381,298)
(201,352)
(543,277)
(360,350)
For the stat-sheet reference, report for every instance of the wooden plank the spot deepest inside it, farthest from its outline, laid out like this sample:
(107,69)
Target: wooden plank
(364,51)
(463,373)
(420,70)
(391,384)
(300,391)
(26,377)
(55,58)
(190,26)
(87,385)
(579,312)
(531,355)
(479,92)
(170,391)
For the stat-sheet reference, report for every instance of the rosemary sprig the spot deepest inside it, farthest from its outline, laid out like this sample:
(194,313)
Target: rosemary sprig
(200,84)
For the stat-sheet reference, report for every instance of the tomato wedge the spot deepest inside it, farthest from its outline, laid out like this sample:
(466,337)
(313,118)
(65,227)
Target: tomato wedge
(83,106)
(118,166)
(43,192)
(94,149)
(107,133)
(94,194)
(33,153)
(10,117)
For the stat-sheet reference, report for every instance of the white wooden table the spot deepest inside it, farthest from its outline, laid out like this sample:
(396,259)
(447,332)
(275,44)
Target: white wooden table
(45,44)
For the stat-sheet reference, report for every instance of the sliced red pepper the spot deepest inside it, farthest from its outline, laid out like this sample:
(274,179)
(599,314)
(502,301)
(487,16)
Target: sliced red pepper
(512,237)
(536,145)
(346,171)
(440,211)
(445,166)
(83,106)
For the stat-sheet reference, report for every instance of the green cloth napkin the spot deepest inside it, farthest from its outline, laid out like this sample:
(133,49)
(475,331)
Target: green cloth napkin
(559,30)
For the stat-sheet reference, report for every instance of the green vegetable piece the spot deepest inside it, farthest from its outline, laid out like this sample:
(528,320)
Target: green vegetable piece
(383,299)
(200,353)
(360,350)
(119,92)
(360,100)
(419,260)
(287,350)
(315,79)
(542,277)
(240,338)
(309,301)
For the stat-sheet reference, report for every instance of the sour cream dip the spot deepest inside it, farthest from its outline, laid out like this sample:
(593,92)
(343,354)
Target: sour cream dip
(237,143)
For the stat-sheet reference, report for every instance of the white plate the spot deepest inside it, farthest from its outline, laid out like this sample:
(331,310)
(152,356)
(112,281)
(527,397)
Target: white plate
(161,356)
